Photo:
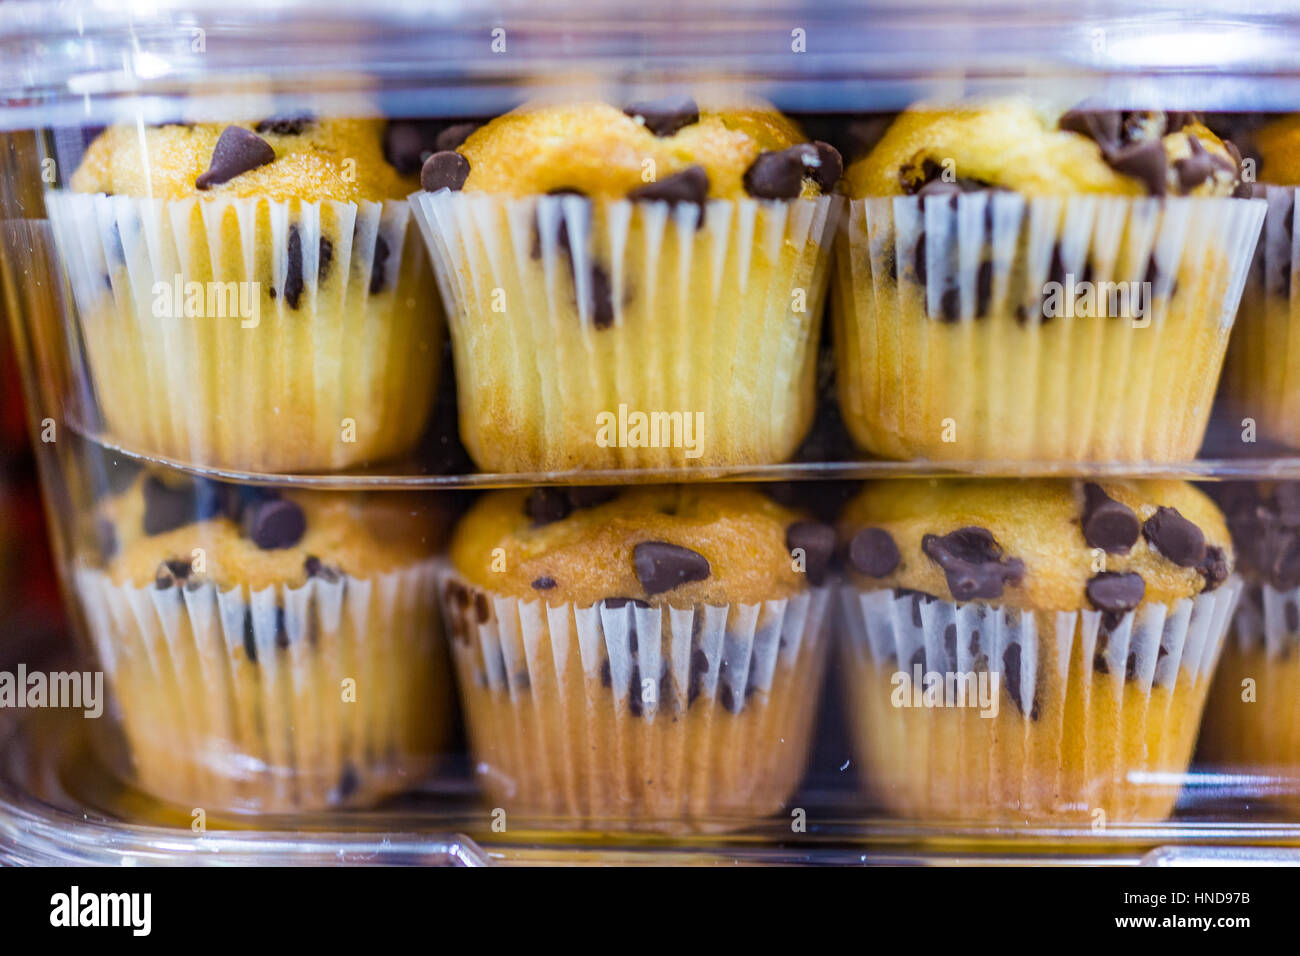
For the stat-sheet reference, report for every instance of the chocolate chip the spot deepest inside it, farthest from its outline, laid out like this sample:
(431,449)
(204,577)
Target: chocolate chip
(1178,539)
(453,136)
(324,258)
(1108,524)
(293,283)
(407,143)
(691,185)
(829,168)
(545,505)
(275,524)
(1101,126)
(544,583)
(1145,161)
(665,116)
(315,568)
(817,541)
(237,151)
(382,253)
(250,639)
(1214,568)
(972,562)
(284,126)
(779,174)
(661,566)
(166,507)
(1196,168)
(1115,592)
(445,169)
(589,496)
(602,298)
(873,553)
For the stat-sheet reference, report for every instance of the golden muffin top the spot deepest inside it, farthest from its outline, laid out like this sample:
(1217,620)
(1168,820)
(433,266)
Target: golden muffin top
(281,159)
(667,149)
(1016,145)
(259,537)
(1278,146)
(671,545)
(1052,545)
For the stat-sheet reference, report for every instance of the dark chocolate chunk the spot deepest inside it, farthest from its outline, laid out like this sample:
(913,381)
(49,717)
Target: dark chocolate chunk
(250,639)
(665,116)
(779,174)
(293,283)
(324,259)
(237,151)
(1115,592)
(544,583)
(275,524)
(1195,168)
(166,507)
(377,264)
(445,169)
(829,168)
(1101,126)
(1178,539)
(1145,161)
(691,185)
(1108,524)
(545,505)
(872,552)
(972,562)
(661,566)
(283,125)
(407,143)
(1214,568)
(817,541)
(453,136)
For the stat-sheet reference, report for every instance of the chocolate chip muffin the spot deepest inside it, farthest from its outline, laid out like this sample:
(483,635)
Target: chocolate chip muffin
(1017,283)
(632,288)
(1262,374)
(1252,718)
(270,651)
(247,294)
(1031,650)
(649,658)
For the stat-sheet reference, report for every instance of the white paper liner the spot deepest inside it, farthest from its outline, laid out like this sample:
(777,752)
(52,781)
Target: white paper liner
(953,367)
(558,736)
(719,322)
(1087,721)
(1255,729)
(1262,375)
(208,727)
(276,395)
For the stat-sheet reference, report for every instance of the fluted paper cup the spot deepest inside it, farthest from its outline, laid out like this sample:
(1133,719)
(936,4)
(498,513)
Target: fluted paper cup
(251,334)
(334,694)
(1252,719)
(636,717)
(944,352)
(1262,377)
(1076,722)
(630,335)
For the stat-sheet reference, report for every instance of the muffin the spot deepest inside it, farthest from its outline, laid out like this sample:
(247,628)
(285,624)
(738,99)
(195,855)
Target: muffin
(1031,651)
(632,288)
(1016,284)
(1252,722)
(1262,375)
(246,294)
(270,651)
(649,658)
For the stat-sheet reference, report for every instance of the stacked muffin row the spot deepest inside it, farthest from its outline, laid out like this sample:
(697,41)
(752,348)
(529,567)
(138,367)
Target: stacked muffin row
(652,657)
(644,287)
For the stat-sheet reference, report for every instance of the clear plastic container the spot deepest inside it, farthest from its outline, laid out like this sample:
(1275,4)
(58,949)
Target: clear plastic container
(584,486)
